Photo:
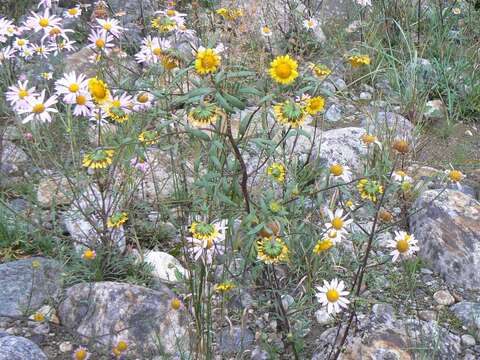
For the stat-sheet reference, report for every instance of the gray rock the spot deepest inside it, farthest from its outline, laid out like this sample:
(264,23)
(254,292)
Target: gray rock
(54,191)
(333,114)
(383,313)
(165,266)
(469,314)
(468,340)
(435,110)
(427,315)
(19,348)
(110,312)
(287,301)
(24,288)
(13,159)
(443,297)
(389,125)
(448,232)
(235,339)
(259,354)
(420,73)
(343,146)
(340,84)
(366,96)
(323,317)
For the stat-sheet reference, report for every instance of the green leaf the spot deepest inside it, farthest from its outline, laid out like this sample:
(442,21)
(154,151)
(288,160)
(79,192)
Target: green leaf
(199,134)
(249,91)
(223,103)
(234,101)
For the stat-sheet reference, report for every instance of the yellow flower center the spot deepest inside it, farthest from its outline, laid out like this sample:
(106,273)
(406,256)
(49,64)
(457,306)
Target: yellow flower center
(89,254)
(38,108)
(80,354)
(400,173)
(74,88)
(266,30)
(22,93)
(72,11)
(55,31)
(208,61)
(116,103)
(43,22)
(310,23)
(402,245)
(157,51)
(332,295)
(142,98)
(98,90)
(20,42)
(171,12)
(175,304)
(337,223)
(283,70)
(122,346)
(368,139)
(107,26)
(81,100)
(336,169)
(455,175)
(100,43)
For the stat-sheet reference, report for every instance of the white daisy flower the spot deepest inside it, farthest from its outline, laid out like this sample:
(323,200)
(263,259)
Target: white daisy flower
(143,101)
(401,176)
(17,95)
(368,139)
(41,50)
(332,296)
(70,86)
(404,244)
(310,24)
(26,53)
(98,116)
(83,104)
(152,49)
(339,171)
(20,43)
(43,22)
(6,53)
(7,29)
(266,31)
(110,26)
(185,33)
(73,13)
(63,45)
(39,109)
(57,32)
(46,75)
(364,2)
(100,40)
(338,222)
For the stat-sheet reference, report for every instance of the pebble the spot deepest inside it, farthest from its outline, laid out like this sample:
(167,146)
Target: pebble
(333,114)
(468,340)
(443,297)
(65,347)
(365,96)
(427,315)
(322,317)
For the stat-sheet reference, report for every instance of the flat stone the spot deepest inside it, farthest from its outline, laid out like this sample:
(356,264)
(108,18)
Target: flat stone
(165,266)
(427,315)
(54,191)
(443,297)
(19,348)
(323,317)
(233,340)
(24,288)
(110,312)
(468,340)
(469,314)
(448,231)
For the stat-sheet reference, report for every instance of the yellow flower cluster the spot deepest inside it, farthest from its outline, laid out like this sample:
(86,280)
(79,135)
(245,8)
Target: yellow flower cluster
(230,14)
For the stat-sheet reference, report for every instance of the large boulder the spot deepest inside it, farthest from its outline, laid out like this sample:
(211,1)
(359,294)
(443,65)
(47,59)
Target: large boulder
(19,348)
(13,160)
(54,191)
(25,285)
(110,312)
(342,146)
(448,231)
(389,125)
(469,314)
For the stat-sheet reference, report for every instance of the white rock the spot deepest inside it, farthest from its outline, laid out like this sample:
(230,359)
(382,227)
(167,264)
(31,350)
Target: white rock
(333,114)
(323,317)
(443,297)
(65,347)
(165,266)
(468,340)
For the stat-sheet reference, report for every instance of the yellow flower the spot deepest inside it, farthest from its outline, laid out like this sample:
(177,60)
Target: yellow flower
(455,176)
(164,24)
(117,219)
(224,287)
(283,69)
(272,250)
(230,14)
(323,245)
(98,159)
(207,61)
(369,189)
(290,113)
(38,317)
(320,71)
(148,137)
(170,62)
(36,264)
(99,90)
(81,354)
(89,254)
(204,114)
(359,60)
(175,304)
(368,139)
(204,231)
(314,105)
(277,172)
(122,346)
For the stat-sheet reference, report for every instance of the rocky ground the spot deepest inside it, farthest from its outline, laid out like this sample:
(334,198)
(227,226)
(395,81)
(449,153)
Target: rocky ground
(434,314)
